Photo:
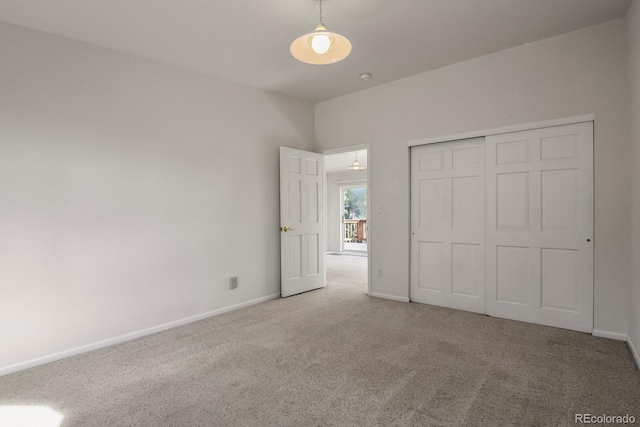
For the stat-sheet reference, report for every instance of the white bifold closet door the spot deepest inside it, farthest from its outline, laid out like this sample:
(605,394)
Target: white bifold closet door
(540,226)
(503,225)
(447,224)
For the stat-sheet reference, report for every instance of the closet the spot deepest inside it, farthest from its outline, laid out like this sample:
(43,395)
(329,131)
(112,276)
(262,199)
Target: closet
(503,225)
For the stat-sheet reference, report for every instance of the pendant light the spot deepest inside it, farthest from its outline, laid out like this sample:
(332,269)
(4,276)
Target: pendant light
(356,166)
(320,46)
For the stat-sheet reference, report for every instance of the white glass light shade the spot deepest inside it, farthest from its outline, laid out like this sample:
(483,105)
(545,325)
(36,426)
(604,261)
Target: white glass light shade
(310,48)
(320,43)
(356,166)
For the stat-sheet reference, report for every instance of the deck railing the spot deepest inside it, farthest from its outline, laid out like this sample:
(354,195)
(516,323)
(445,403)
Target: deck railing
(355,230)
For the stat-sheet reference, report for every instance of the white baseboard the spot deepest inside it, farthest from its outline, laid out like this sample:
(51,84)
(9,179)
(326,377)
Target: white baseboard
(634,351)
(620,337)
(391,297)
(127,337)
(610,335)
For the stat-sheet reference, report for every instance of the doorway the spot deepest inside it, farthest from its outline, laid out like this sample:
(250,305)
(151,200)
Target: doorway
(347,230)
(353,229)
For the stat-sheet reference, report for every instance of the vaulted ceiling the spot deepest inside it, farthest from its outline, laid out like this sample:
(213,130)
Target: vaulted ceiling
(247,41)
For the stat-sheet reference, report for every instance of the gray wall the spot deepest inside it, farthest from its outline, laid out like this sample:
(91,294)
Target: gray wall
(572,74)
(129,192)
(633,18)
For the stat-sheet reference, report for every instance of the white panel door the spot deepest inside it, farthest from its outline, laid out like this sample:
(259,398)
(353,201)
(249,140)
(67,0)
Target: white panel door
(301,216)
(447,224)
(540,226)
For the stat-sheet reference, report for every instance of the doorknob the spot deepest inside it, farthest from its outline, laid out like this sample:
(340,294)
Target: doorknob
(285,229)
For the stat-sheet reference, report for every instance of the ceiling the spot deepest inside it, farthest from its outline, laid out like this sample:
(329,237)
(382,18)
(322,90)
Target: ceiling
(247,41)
(339,162)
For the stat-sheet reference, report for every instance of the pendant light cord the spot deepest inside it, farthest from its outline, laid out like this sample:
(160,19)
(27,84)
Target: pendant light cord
(321,12)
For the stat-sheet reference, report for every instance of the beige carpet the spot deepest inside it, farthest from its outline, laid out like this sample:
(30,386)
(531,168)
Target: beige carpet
(347,270)
(338,357)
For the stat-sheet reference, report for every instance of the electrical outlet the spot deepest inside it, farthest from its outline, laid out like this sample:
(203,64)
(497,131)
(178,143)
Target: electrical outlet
(380,272)
(233,282)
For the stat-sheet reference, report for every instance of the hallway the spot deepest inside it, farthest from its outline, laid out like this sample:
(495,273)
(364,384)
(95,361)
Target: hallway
(347,271)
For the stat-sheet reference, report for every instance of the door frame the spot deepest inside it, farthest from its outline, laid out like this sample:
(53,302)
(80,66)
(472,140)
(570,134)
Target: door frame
(346,149)
(496,131)
(505,129)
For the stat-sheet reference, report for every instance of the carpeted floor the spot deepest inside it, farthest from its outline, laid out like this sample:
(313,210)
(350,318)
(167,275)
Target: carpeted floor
(338,357)
(347,270)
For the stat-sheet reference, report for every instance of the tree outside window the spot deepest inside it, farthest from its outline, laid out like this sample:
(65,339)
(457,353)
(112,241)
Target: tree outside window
(355,203)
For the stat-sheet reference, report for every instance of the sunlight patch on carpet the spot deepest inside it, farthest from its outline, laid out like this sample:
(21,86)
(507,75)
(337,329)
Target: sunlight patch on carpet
(29,416)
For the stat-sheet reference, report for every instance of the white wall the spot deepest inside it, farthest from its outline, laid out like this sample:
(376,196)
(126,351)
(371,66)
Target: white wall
(334,203)
(333,213)
(573,74)
(633,18)
(129,192)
